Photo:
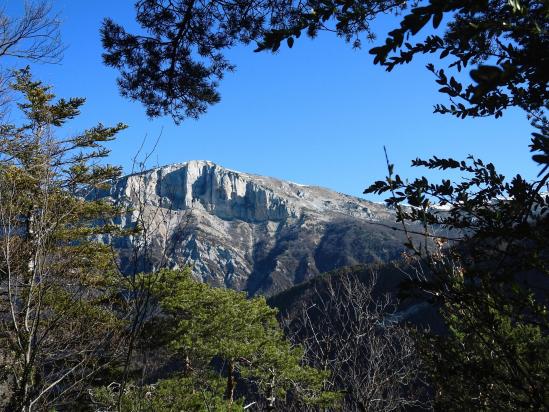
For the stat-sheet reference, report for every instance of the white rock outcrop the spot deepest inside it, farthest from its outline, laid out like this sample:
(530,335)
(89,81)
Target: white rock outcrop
(249,232)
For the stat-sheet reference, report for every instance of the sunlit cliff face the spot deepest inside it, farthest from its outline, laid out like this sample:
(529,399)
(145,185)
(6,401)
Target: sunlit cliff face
(250,232)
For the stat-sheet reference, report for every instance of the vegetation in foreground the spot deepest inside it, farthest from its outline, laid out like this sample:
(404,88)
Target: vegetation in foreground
(77,335)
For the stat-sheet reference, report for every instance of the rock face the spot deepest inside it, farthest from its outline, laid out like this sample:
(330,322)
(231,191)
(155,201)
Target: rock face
(249,232)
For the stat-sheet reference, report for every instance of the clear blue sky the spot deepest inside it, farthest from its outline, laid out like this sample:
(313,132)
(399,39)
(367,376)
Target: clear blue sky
(318,114)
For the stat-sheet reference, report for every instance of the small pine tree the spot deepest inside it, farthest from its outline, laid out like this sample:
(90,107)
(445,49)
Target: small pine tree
(219,326)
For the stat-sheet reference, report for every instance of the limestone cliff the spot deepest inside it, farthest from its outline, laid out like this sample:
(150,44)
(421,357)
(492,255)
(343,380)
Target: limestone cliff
(251,232)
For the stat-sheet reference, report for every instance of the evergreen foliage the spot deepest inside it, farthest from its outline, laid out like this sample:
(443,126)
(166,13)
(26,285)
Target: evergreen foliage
(173,66)
(230,351)
(57,322)
(489,277)
(489,280)
(61,307)
(174,394)
(244,334)
(507,40)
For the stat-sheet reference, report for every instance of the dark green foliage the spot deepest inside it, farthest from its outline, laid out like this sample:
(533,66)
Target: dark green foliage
(507,40)
(490,282)
(490,273)
(220,349)
(242,333)
(173,66)
(490,276)
(174,394)
(349,19)
(57,322)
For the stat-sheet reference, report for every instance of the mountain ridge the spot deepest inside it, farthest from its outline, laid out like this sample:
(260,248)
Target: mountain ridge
(251,232)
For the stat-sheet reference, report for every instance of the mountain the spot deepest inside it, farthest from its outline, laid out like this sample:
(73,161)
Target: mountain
(250,232)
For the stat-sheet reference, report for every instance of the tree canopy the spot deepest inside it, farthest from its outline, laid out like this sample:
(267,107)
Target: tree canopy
(57,323)
(175,67)
(174,64)
(232,351)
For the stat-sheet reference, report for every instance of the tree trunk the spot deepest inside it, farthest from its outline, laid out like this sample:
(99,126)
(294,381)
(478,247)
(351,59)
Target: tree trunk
(271,398)
(230,382)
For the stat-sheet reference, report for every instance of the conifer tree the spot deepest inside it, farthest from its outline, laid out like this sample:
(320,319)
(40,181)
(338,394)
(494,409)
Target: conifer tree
(219,330)
(57,324)
(173,65)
